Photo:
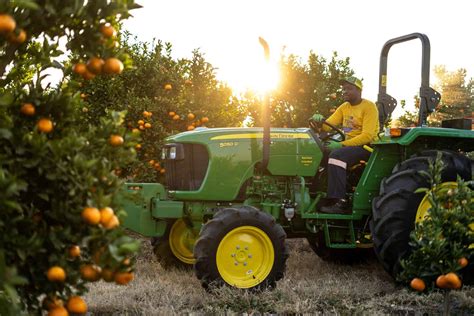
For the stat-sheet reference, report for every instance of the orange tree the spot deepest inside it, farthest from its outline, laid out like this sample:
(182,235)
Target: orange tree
(162,96)
(443,242)
(304,89)
(57,171)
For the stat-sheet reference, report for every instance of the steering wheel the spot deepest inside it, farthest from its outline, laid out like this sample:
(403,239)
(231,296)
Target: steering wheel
(329,136)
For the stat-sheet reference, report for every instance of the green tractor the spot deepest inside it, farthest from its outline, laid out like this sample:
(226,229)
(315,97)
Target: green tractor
(234,195)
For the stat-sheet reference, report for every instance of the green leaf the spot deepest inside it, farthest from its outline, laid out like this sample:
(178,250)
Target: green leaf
(27,4)
(5,133)
(6,99)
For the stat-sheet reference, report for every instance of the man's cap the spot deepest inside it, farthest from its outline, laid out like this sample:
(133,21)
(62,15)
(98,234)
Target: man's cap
(353,81)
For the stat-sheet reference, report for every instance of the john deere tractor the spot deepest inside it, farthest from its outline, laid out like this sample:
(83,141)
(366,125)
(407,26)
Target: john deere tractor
(234,195)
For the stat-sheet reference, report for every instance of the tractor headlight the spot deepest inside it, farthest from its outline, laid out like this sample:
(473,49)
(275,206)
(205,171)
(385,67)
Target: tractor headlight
(172,153)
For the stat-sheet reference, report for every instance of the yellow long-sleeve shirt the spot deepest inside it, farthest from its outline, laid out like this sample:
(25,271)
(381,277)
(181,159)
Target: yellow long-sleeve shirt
(360,123)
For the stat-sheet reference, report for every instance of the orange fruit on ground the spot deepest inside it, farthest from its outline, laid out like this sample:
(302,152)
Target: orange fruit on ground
(453,281)
(90,272)
(45,125)
(95,64)
(87,75)
(176,117)
(108,30)
(107,275)
(56,274)
(112,223)
(79,68)
(76,305)
(205,119)
(58,311)
(190,128)
(28,109)
(7,23)
(106,215)
(191,116)
(123,278)
(171,113)
(112,66)
(116,140)
(168,86)
(418,284)
(91,215)
(17,39)
(74,251)
(463,262)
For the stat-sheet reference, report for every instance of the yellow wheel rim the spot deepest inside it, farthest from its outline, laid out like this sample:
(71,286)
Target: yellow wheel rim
(245,257)
(425,204)
(182,240)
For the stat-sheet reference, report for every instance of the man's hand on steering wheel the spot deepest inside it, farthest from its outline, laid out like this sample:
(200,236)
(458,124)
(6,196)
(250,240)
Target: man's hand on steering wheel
(332,145)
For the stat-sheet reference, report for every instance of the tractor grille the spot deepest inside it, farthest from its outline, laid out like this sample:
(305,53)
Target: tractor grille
(187,172)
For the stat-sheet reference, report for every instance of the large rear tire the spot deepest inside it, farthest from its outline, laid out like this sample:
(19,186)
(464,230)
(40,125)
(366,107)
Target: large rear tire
(241,247)
(175,248)
(395,209)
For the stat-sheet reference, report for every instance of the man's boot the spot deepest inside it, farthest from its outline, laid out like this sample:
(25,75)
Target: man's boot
(339,206)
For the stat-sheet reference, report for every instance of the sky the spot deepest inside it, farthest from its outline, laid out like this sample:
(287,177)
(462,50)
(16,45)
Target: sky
(227,32)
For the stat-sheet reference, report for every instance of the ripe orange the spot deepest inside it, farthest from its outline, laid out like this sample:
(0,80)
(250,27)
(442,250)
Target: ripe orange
(45,125)
(135,131)
(171,113)
(418,284)
(106,215)
(168,86)
(147,125)
(463,262)
(95,64)
(17,39)
(74,251)
(87,75)
(116,140)
(205,119)
(90,272)
(141,122)
(79,68)
(123,278)
(7,24)
(76,305)
(141,127)
(56,274)
(107,275)
(112,66)
(58,311)
(453,281)
(91,215)
(51,302)
(176,117)
(108,30)
(126,261)
(28,109)
(112,223)
(151,162)
(138,146)
(163,170)
(191,116)
(190,128)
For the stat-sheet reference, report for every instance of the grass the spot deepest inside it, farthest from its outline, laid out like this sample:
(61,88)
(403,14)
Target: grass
(310,286)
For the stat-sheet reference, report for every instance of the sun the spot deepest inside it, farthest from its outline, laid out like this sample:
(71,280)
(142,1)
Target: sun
(252,73)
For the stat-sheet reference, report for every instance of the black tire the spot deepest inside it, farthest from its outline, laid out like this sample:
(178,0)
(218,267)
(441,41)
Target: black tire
(394,210)
(227,221)
(344,256)
(164,254)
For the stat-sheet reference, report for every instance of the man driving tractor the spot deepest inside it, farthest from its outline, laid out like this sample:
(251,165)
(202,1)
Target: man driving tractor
(360,123)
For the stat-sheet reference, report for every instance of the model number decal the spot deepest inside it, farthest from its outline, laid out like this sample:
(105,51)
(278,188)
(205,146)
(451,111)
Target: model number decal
(228,144)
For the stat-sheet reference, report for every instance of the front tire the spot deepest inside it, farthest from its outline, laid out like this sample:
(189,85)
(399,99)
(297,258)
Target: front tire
(175,248)
(395,209)
(241,247)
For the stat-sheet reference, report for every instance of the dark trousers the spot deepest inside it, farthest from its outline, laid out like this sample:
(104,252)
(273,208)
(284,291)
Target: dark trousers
(339,161)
